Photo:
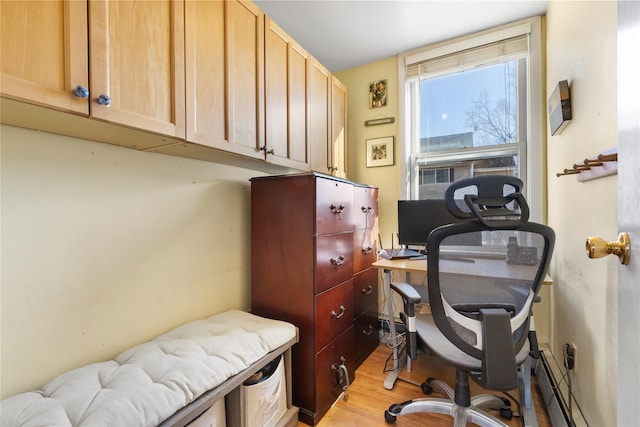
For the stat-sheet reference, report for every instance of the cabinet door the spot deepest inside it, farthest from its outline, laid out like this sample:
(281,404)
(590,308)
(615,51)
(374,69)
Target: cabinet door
(286,99)
(338,144)
(44,52)
(206,95)
(137,61)
(245,76)
(319,116)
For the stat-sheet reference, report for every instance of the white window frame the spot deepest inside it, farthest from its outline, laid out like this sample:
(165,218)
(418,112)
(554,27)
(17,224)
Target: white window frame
(533,161)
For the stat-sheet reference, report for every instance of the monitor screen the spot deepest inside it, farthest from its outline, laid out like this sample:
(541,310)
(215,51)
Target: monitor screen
(417,218)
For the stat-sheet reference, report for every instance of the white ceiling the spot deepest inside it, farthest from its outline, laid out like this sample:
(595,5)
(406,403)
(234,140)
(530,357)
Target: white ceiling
(343,34)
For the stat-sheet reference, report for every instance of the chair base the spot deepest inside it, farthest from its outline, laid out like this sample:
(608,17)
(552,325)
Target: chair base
(461,414)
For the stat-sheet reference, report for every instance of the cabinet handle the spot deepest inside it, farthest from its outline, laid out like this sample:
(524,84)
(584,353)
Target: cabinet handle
(336,315)
(366,209)
(104,100)
(338,261)
(368,332)
(367,250)
(337,209)
(368,290)
(81,92)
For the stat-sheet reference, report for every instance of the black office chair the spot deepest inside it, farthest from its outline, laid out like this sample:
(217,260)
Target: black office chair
(480,298)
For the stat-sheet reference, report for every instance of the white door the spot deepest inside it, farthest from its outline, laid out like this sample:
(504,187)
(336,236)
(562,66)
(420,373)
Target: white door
(628,211)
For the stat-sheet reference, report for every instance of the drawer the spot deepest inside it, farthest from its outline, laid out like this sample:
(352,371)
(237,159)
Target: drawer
(365,291)
(328,382)
(334,206)
(334,260)
(365,249)
(365,207)
(334,313)
(366,334)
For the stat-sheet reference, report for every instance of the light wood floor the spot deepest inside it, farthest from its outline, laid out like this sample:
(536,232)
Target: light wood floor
(368,399)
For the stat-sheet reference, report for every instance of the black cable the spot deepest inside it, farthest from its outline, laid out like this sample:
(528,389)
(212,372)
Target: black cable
(520,414)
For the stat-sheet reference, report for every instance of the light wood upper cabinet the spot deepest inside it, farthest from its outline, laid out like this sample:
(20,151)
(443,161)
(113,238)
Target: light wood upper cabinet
(224,75)
(137,64)
(207,112)
(328,121)
(245,75)
(44,52)
(286,99)
(338,145)
(319,117)
(205,79)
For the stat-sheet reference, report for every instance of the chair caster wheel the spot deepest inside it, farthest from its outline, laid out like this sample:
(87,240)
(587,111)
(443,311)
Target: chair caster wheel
(389,417)
(507,414)
(426,387)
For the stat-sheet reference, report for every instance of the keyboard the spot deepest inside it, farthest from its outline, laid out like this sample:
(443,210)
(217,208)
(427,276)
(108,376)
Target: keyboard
(401,253)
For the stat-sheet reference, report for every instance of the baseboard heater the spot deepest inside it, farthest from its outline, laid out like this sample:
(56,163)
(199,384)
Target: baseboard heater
(557,407)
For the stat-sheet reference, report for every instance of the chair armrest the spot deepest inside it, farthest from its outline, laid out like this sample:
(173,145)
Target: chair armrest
(407,292)
(499,368)
(410,297)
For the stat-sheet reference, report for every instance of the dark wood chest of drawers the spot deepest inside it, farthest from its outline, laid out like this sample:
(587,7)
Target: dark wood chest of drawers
(313,240)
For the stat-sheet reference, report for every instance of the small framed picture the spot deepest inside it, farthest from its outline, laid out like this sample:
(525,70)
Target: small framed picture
(378,94)
(380,152)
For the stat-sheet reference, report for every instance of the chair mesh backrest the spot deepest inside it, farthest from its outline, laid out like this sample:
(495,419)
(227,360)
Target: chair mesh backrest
(473,266)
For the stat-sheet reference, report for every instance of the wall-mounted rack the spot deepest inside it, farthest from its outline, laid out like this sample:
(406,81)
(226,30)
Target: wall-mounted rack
(604,164)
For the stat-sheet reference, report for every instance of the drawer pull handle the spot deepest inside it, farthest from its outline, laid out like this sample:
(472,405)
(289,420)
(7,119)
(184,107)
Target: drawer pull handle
(338,261)
(366,209)
(368,332)
(368,290)
(336,315)
(337,209)
(367,250)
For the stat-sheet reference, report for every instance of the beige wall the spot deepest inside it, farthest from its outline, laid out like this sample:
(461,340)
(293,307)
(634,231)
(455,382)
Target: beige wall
(104,247)
(581,48)
(386,178)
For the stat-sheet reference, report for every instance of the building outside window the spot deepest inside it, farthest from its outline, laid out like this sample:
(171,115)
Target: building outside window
(472,108)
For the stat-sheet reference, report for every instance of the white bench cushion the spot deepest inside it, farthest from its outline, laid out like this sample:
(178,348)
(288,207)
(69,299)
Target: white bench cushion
(148,383)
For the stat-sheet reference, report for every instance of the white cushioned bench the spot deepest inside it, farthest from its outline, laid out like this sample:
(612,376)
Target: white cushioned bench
(170,380)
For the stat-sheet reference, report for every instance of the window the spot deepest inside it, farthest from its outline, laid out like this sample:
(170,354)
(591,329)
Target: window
(435,176)
(472,108)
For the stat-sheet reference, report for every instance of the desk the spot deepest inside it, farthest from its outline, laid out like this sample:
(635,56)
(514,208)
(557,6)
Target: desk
(498,268)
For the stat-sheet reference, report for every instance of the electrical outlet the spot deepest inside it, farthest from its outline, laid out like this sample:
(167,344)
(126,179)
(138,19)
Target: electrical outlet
(570,353)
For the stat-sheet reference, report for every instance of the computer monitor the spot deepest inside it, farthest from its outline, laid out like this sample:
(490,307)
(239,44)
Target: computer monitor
(417,218)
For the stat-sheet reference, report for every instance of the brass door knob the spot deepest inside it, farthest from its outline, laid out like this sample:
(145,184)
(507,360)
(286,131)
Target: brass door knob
(598,248)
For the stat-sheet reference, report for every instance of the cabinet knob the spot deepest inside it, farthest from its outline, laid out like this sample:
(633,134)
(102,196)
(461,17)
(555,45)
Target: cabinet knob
(81,92)
(104,100)
(366,209)
(266,151)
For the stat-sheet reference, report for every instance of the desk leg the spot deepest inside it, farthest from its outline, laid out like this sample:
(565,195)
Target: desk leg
(393,375)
